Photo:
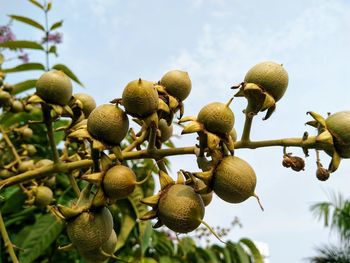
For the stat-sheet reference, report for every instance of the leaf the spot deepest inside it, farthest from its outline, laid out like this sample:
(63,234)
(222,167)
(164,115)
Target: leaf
(25,67)
(45,231)
(146,238)
(258,258)
(128,223)
(56,25)
(23,86)
(59,135)
(34,2)
(21,44)
(49,6)
(14,200)
(242,254)
(1,59)
(68,72)
(53,49)
(28,21)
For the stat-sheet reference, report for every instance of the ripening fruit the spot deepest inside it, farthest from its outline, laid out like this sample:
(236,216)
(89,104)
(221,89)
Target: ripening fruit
(108,123)
(177,83)
(88,102)
(25,166)
(54,87)
(217,118)
(119,181)
(165,131)
(234,180)
(338,124)
(180,208)
(43,196)
(270,76)
(89,230)
(16,106)
(140,98)
(95,256)
(26,133)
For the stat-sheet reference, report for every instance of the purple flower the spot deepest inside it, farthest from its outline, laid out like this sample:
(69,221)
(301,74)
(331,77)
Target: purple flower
(24,57)
(6,34)
(55,38)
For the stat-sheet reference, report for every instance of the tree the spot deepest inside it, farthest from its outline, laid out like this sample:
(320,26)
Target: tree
(36,138)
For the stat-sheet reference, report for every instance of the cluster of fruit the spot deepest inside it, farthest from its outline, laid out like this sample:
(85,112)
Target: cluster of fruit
(96,134)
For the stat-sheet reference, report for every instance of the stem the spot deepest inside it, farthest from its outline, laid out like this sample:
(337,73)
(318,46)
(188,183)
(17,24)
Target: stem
(247,127)
(152,136)
(10,145)
(7,240)
(50,133)
(47,32)
(157,154)
(137,142)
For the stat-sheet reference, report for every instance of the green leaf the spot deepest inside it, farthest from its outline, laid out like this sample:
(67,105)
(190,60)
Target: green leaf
(25,67)
(36,3)
(56,25)
(1,59)
(21,44)
(59,135)
(53,49)
(14,200)
(128,223)
(258,258)
(23,86)
(68,72)
(146,238)
(28,21)
(49,6)
(242,254)
(45,231)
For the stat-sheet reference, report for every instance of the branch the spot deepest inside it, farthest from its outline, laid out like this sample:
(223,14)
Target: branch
(7,240)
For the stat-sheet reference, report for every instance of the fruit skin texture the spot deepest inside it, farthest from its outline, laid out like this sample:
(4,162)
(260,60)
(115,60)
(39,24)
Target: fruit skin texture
(89,230)
(54,87)
(108,124)
(180,208)
(217,118)
(270,76)
(88,102)
(140,98)
(338,124)
(119,181)
(177,83)
(165,131)
(43,196)
(234,180)
(108,247)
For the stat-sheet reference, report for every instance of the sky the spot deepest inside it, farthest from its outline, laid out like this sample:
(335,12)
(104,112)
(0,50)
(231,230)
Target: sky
(108,43)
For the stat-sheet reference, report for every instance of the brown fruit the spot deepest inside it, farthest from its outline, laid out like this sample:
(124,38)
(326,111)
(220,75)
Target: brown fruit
(88,102)
(165,131)
(217,118)
(119,182)
(90,230)
(54,87)
(234,180)
(270,76)
(140,98)
(43,196)
(95,256)
(177,83)
(180,208)
(338,124)
(108,123)
(205,197)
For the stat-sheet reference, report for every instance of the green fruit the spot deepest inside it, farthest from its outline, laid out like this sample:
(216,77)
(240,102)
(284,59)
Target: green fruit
(43,196)
(88,102)
(217,118)
(16,106)
(90,230)
(108,123)
(165,131)
(180,208)
(54,87)
(177,83)
(207,197)
(5,97)
(140,98)
(25,166)
(26,133)
(270,76)
(234,180)
(119,182)
(338,124)
(43,162)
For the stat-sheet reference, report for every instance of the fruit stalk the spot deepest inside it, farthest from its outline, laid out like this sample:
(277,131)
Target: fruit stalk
(10,145)
(7,240)
(247,127)
(50,133)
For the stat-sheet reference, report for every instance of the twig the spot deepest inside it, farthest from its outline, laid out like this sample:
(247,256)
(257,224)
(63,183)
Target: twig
(7,241)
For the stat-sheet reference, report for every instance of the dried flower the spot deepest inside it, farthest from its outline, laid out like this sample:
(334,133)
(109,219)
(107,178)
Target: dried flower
(54,38)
